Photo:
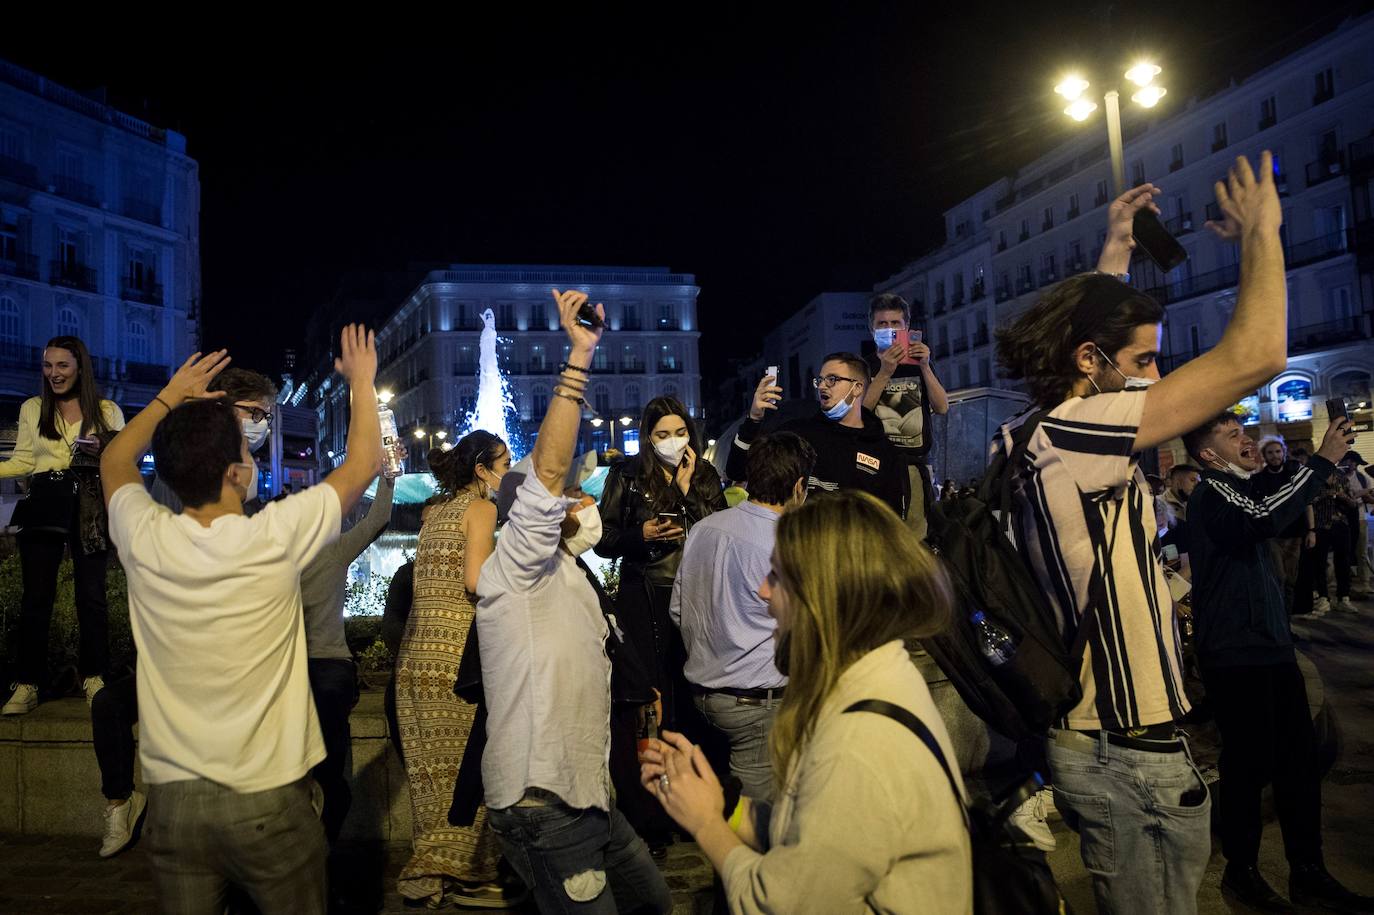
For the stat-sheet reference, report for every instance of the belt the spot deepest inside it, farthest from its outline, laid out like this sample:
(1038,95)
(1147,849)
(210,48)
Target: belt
(1086,741)
(755,695)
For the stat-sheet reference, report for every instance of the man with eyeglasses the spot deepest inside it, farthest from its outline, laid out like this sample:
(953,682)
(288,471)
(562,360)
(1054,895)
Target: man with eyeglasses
(852,448)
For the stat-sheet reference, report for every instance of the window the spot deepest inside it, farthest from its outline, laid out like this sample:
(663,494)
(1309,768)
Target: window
(958,294)
(538,358)
(1218,136)
(1269,113)
(666,317)
(467,401)
(1138,172)
(69,166)
(601,399)
(1328,148)
(1048,221)
(1194,340)
(1326,86)
(9,242)
(632,397)
(1075,258)
(670,390)
(140,276)
(9,320)
(1073,206)
(1001,239)
(1338,304)
(1025,229)
(667,359)
(1101,198)
(541,401)
(600,360)
(69,249)
(137,342)
(11,145)
(68,324)
(539,316)
(939,294)
(631,321)
(1176,157)
(505,315)
(629,358)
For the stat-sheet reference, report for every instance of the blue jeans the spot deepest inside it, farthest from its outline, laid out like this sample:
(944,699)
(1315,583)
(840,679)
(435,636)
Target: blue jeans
(747,725)
(569,857)
(1143,821)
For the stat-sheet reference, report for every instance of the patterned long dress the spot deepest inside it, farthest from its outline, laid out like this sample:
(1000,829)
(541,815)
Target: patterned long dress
(435,723)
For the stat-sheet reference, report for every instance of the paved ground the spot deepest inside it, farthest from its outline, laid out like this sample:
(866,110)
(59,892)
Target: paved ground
(50,875)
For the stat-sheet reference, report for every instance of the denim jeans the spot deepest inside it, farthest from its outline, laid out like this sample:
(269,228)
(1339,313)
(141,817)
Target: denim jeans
(570,857)
(1143,820)
(747,725)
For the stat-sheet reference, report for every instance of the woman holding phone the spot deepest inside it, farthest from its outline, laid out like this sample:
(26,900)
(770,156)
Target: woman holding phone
(61,431)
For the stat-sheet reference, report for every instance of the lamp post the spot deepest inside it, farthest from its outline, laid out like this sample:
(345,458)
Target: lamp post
(625,421)
(1073,89)
(422,433)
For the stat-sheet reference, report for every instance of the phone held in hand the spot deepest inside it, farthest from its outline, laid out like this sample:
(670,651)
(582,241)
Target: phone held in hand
(1337,410)
(907,338)
(668,517)
(587,316)
(771,372)
(1156,241)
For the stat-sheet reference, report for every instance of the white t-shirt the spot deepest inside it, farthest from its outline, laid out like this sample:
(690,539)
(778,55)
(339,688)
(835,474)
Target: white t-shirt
(223,687)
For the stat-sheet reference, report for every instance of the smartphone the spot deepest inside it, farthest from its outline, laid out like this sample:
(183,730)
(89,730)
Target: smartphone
(771,372)
(1156,241)
(1336,409)
(587,316)
(906,338)
(83,441)
(668,517)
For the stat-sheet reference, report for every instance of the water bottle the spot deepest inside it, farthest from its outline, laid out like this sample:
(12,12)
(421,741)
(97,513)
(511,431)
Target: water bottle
(648,726)
(391,443)
(993,641)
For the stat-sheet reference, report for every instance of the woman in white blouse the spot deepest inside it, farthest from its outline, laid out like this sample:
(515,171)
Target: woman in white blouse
(865,819)
(61,432)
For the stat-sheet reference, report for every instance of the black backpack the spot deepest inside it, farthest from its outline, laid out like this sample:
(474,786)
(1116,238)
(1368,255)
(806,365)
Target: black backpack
(1010,875)
(1030,692)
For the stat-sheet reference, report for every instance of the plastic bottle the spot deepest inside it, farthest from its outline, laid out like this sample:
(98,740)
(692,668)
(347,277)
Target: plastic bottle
(648,726)
(994,642)
(391,443)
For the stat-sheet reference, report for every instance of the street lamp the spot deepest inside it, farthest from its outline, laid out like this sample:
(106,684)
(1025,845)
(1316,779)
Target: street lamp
(625,421)
(1080,108)
(422,433)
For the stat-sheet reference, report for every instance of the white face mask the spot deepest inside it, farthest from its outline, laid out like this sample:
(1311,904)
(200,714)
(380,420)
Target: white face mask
(252,482)
(1233,469)
(670,450)
(1129,382)
(256,433)
(588,530)
(884,337)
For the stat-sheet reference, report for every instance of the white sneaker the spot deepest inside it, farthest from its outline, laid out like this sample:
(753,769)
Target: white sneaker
(1030,819)
(92,685)
(122,825)
(1345,605)
(1321,607)
(24,700)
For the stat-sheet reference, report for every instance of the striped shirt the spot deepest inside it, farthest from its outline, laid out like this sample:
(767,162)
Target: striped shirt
(1086,524)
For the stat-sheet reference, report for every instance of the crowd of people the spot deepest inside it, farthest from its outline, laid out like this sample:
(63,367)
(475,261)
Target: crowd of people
(757,680)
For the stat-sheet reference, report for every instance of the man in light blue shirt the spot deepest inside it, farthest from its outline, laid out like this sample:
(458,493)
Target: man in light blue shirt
(725,625)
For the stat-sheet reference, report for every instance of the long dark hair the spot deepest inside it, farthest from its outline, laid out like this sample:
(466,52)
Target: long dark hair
(1039,346)
(658,488)
(457,467)
(87,394)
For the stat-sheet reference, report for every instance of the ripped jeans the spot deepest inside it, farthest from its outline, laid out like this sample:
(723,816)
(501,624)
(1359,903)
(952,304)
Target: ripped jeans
(583,861)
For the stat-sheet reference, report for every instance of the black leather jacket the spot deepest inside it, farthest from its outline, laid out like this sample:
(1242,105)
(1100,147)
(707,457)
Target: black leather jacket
(625,507)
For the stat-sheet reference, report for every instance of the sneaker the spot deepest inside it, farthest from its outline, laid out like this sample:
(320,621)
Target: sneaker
(493,895)
(123,825)
(1321,607)
(1247,886)
(23,701)
(1345,606)
(92,685)
(1311,885)
(1030,818)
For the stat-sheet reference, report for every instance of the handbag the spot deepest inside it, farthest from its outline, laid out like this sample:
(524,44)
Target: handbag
(50,505)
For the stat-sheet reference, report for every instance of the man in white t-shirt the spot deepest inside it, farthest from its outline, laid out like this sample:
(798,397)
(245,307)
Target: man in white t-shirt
(1123,777)
(228,732)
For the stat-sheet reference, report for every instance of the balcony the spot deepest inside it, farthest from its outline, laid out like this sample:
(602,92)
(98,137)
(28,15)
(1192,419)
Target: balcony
(1024,284)
(1175,165)
(1324,169)
(1002,245)
(142,210)
(1003,293)
(146,292)
(633,367)
(1324,94)
(1024,236)
(76,190)
(541,368)
(1072,213)
(145,373)
(1181,224)
(1330,333)
(670,368)
(978,291)
(77,276)
(464,368)
(1046,225)
(19,355)
(1317,249)
(1219,144)
(19,171)
(1049,275)
(631,324)
(1298,255)
(21,265)
(1003,203)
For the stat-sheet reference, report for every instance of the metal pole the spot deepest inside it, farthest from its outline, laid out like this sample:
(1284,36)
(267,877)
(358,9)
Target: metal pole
(1114,144)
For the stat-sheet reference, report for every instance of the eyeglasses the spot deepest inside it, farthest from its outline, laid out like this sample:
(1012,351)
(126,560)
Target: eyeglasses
(829,381)
(256,414)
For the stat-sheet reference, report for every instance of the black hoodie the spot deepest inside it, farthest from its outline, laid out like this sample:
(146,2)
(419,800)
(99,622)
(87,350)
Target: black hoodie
(846,458)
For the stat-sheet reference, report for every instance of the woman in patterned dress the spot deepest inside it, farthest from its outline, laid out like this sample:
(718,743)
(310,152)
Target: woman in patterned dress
(449,864)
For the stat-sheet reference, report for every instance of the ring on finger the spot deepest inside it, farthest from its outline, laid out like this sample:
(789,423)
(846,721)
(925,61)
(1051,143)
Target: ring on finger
(663,782)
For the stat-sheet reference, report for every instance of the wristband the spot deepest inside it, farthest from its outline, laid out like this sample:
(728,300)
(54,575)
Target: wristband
(569,367)
(163,402)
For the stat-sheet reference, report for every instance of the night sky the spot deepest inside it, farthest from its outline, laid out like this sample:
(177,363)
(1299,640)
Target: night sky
(772,153)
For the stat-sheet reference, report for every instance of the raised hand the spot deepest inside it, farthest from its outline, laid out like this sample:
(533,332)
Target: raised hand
(1247,201)
(766,397)
(1121,214)
(1337,440)
(190,381)
(891,358)
(581,339)
(357,360)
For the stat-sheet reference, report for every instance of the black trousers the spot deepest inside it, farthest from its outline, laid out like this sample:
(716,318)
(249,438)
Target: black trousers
(1266,738)
(113,713)
(1334,542)
(334,684)
(40,555)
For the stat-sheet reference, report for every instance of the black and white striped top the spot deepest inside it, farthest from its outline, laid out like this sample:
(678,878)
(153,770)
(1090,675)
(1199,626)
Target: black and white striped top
(1086,524)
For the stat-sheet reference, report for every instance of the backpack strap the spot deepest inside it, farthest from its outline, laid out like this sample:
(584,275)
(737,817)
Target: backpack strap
(918,727)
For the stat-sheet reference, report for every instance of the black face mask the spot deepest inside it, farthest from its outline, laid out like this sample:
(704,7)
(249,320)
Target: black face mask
(781,653)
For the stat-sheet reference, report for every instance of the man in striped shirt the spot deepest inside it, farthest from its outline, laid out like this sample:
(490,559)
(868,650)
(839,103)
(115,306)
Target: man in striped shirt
(1085,518)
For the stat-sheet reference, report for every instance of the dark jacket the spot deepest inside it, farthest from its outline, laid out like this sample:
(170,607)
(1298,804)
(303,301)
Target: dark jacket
(863,459)
(625,507)
(1239,615)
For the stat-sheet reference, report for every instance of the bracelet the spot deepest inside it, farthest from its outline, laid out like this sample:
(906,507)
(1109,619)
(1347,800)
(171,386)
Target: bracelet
(569,367)
(565,378)
(163,402)
(1124,277)
(557,392)
(571,387)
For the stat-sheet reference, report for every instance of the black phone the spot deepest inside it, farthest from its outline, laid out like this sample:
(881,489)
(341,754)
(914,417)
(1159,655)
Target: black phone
(1335,409)
(1156,241)
(587,316)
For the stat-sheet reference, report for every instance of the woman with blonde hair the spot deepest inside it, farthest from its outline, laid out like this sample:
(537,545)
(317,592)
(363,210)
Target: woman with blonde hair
(865,817)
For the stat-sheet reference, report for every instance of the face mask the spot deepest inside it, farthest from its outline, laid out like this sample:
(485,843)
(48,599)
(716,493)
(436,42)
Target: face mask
(1130,382)
(671,450)
(1234,470)
(588,530)
(841,407)
(251,490)
(884,337)
(256,433)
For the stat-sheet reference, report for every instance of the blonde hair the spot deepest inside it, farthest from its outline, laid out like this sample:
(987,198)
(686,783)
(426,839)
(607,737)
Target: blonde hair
(855,578)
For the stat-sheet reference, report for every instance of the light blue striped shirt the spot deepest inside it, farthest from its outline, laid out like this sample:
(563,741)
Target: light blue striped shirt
(725,624)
